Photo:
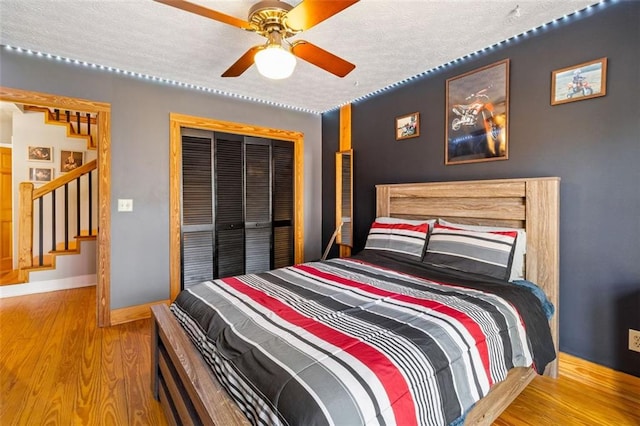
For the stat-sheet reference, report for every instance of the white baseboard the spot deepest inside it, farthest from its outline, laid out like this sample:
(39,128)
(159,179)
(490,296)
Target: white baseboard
(45,286)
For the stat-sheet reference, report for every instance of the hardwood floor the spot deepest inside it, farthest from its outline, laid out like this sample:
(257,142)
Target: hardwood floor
(58,368)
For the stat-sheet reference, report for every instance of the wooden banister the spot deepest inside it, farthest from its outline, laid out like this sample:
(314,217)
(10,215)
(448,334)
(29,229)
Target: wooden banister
(64,179)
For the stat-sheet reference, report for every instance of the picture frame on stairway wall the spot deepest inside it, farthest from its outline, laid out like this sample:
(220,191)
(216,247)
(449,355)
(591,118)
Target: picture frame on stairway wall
(70,160)
(40,153)
(40,174)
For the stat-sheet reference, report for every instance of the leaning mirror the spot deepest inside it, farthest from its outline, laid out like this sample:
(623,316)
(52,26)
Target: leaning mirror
(344,198)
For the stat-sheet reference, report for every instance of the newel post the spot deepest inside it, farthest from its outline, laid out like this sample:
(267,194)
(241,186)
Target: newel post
(25,226)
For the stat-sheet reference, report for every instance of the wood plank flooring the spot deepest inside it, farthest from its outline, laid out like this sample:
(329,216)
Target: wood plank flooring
(58,368)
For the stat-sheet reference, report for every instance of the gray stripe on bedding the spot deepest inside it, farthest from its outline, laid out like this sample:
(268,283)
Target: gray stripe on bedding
(330,388)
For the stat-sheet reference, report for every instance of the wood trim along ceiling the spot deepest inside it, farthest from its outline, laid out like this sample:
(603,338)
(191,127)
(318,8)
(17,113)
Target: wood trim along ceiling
(103,111)
(179,120)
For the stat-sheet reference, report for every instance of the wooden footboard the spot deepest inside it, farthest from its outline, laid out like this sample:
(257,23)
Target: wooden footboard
(182,381)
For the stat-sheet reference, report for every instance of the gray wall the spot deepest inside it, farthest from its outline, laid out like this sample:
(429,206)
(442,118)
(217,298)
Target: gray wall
(140,160)
(593,145)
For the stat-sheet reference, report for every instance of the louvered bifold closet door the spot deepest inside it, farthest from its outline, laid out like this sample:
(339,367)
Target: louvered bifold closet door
(229,204)
(283,201)
(257,223)
(197,230)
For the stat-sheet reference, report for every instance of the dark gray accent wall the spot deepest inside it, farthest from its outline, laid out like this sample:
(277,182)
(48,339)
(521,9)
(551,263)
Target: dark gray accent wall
(593,145)
(140,159)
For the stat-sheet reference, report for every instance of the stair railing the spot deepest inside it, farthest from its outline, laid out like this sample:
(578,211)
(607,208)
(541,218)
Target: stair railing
(79,119)
(78,123)
(32,206)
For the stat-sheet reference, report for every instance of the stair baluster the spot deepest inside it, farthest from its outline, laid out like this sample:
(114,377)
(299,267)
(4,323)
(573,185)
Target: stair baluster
(66,216)
(78,131)
(53,220)
(88,124)
(90,203)
(78,205)
(40,233)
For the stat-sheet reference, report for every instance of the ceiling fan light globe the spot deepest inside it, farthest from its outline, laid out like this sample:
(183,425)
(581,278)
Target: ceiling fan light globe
(275,63)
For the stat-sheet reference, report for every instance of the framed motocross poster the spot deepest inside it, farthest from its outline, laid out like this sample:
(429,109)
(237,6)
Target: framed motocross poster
(578,82)
(408,126)
(478,115)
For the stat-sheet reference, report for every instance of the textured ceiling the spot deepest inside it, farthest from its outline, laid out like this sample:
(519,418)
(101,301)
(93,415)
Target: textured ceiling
(388,41)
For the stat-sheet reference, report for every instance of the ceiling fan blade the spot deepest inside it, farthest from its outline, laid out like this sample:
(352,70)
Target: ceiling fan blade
(321,58)
(311,12)
(242,64)
(208,13)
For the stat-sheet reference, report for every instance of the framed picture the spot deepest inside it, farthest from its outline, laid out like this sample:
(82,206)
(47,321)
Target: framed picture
(40,153)
(70,160)
(579,82)
(40,174)
(408,126)
(478,115)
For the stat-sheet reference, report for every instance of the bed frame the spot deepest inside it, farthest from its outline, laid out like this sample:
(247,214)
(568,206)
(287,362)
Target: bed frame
(190,394)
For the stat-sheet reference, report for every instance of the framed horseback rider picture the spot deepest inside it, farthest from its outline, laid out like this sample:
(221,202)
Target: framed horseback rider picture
(578,82)
(477,119)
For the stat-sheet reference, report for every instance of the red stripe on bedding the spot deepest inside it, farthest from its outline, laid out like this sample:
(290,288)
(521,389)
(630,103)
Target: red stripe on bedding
(392,380)
(423,227)
(465,320)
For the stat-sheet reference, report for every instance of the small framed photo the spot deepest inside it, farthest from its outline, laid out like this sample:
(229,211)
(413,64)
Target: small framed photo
(578,82)
(408,126)
(40,153)
(478,115)
(40,174)
(70,160)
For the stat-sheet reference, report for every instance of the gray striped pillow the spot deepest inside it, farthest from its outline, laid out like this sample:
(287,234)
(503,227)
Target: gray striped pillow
(485,253)
(398,236)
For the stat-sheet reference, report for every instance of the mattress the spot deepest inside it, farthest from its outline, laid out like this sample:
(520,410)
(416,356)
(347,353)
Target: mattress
(376,339)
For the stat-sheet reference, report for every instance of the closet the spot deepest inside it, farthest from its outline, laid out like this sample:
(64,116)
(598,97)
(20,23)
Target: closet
(237,204)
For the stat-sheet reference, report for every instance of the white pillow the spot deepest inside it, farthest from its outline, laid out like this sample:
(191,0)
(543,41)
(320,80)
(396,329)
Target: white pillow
(517,266)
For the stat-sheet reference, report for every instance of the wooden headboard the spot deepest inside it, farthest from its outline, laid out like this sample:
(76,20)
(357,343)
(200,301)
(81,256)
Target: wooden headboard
(529,203)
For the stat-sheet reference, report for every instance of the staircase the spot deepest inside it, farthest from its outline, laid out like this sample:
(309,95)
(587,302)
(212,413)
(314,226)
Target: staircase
(79,125)
(59,217)
(69,220)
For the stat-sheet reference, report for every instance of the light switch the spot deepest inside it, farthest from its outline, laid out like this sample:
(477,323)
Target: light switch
(125,205)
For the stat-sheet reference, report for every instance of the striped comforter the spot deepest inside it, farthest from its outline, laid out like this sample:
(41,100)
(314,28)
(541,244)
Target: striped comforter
(362,341)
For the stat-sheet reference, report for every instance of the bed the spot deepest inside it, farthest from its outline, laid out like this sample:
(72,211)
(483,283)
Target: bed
(190,393)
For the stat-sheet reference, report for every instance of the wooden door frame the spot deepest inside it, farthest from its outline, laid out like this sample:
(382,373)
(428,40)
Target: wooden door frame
(9,149)
(175,181)
(103,112)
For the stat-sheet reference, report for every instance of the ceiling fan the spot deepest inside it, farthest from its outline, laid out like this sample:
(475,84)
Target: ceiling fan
(277,21)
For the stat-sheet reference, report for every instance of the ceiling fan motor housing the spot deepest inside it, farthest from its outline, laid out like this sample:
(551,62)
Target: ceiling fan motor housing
(269,16)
